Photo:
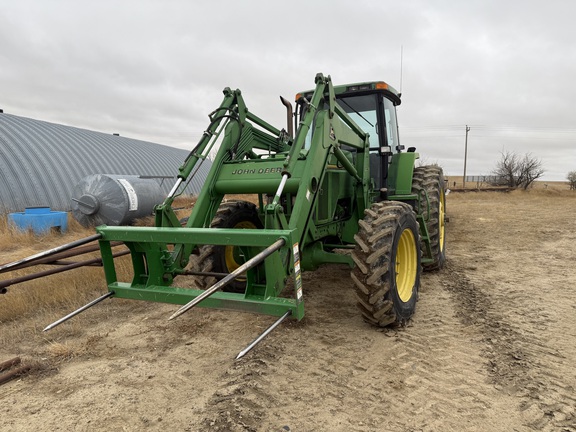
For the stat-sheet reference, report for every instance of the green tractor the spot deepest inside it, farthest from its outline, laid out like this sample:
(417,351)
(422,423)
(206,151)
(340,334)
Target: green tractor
(340,189)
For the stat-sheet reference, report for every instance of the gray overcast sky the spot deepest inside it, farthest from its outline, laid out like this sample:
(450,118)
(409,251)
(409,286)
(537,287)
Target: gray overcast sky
(154,70)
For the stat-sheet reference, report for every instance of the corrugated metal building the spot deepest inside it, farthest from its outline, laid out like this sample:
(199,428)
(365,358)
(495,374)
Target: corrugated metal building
(41,162)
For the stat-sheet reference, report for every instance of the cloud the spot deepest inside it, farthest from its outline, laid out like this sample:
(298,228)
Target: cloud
(154,70)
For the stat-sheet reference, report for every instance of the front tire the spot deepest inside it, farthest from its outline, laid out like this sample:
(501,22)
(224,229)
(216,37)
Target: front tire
(226,259)
(387,258)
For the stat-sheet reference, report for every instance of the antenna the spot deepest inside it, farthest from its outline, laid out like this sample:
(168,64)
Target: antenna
(401,58)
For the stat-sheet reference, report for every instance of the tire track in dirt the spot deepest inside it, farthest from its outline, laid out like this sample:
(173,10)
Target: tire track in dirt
(519,296)
(337,369)
(442,366)
(480,353)
(281,383)
(518,361)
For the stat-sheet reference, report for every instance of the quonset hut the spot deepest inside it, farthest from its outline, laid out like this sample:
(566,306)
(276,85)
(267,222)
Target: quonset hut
(41,162)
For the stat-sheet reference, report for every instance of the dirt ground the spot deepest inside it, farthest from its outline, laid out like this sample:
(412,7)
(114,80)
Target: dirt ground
(492,347)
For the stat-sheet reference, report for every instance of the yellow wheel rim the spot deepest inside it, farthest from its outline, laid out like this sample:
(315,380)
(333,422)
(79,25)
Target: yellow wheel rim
(441,221)
(406,265)
(234,255)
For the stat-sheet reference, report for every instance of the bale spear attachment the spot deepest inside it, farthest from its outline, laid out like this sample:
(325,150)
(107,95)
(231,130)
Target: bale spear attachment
(228,279)
(269,264)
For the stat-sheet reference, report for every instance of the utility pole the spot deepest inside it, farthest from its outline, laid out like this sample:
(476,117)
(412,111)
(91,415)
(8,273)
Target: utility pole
(465,156)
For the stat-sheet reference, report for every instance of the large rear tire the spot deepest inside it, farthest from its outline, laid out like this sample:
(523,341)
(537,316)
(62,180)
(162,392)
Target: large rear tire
(387,258)
(226,259)
(428,181)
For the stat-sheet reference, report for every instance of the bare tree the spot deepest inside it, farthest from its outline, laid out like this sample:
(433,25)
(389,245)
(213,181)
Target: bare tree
(572,179)
(516,171)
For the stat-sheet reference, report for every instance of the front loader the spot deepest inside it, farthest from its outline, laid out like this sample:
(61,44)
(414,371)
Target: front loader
(336,188)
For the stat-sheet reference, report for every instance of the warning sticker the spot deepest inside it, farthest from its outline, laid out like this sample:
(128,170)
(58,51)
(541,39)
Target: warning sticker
(132,197)
(297,275)
(295,252)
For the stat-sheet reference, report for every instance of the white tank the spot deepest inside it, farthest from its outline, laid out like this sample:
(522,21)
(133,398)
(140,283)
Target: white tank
(110,199)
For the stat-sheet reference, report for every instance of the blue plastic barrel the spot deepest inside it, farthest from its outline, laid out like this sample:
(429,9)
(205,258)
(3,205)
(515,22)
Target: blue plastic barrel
(40,219)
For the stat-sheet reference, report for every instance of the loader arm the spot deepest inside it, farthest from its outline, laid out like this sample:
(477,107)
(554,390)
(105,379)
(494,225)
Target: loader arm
(290,176)
(304,169)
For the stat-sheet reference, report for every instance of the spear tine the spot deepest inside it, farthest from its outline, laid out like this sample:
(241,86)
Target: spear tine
(77,311)
(252,262)
(263,335)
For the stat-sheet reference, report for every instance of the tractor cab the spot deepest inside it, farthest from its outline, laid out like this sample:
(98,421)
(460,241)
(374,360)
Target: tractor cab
(372,106)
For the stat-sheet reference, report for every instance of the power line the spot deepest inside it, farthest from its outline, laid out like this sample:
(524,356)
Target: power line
(496,128)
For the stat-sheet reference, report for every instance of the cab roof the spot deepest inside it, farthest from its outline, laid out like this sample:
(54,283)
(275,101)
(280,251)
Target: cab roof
(363,88)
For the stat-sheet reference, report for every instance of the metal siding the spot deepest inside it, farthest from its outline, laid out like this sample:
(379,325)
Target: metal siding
(41,162)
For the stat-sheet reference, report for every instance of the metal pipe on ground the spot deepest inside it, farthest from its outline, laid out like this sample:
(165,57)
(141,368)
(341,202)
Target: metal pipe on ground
(14,373)
(76,251)
(9,363)
(49,252)
(71,266)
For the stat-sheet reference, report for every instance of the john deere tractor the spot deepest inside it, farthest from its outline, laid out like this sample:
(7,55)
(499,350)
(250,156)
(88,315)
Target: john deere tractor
(334,186)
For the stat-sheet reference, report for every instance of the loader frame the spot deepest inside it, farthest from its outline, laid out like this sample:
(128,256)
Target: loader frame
(290,178)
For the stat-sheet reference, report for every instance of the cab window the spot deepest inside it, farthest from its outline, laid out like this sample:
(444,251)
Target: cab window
(363,110)
(391,124)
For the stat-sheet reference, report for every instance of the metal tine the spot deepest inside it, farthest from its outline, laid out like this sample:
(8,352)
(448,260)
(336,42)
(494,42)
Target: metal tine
(65,267)
(263,335)
(49,252)
(252,262)
(77,311)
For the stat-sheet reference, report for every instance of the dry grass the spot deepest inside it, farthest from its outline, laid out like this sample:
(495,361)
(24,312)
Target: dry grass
(68,349)
(17,244)
(29,306)
(249,197)
(552,193)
